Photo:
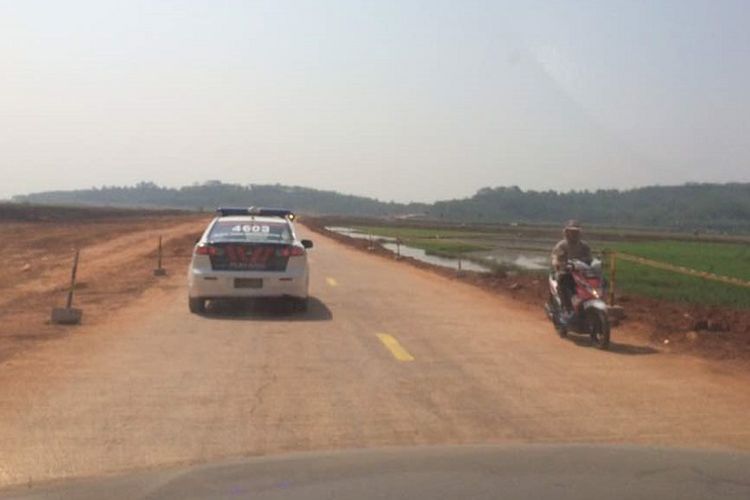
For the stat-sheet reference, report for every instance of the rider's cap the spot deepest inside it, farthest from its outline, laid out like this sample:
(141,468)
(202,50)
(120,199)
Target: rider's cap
(573,225)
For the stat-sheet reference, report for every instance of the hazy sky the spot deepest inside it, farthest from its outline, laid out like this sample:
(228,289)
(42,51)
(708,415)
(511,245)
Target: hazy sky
(398,100)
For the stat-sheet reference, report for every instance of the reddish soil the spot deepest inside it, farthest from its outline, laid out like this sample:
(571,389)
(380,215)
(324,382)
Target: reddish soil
(709,332)
(118,255)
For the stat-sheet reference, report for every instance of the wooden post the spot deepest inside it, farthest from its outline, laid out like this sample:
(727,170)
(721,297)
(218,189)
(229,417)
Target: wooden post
(459,264)
(159,271)
(73,273)
(68,315)
(612,276)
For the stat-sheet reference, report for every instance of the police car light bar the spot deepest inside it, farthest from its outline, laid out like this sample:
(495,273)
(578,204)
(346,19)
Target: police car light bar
(264,212)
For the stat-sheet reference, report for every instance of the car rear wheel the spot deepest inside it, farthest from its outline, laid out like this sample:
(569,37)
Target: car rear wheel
(197,305)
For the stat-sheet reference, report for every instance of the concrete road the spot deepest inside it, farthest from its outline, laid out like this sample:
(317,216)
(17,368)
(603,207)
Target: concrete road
(387,355)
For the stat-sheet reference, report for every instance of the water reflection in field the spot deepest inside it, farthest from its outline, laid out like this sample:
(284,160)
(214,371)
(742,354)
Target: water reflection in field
(530,258)
(419,254)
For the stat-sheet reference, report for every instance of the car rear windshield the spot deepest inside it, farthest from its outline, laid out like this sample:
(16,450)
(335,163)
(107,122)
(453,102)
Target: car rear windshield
(254,231)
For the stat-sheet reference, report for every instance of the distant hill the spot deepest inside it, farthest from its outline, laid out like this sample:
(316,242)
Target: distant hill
(214,193)
(720,207)
(717,207)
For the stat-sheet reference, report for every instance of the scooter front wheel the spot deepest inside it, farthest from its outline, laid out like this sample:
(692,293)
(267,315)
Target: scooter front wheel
(598,326)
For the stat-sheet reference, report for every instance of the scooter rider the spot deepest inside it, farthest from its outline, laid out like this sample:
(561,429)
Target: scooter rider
(571,247)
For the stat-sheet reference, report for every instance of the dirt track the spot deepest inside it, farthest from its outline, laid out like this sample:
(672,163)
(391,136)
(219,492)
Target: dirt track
(117,257)
(153,385)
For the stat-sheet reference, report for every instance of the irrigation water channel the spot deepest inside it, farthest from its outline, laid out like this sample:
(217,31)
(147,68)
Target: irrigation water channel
(534,261)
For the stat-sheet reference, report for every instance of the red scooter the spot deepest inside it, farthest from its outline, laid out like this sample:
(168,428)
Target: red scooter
(589,314)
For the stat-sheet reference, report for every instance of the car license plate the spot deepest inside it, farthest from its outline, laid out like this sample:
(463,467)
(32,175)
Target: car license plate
(248,283)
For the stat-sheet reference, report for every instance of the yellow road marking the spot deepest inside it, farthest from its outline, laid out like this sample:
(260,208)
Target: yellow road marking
(396,349)
(331,282)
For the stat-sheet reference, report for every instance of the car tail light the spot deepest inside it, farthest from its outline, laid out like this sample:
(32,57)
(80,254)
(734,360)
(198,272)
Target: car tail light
(205,249)
(292,251)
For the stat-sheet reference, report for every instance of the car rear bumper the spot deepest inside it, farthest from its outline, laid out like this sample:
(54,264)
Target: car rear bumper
(212,284)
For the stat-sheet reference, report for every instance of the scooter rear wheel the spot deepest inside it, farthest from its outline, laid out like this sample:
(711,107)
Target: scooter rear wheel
(555,316)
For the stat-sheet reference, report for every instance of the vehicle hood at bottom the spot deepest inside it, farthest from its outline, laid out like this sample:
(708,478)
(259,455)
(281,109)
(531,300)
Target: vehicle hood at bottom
(444,472)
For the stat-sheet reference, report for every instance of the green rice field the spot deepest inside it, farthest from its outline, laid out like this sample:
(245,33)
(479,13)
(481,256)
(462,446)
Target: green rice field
(725,259)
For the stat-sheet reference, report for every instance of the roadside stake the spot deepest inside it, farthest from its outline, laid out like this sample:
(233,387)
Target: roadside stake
(159,271)
(612,276)
(615,312)
(68,315)
(395,347)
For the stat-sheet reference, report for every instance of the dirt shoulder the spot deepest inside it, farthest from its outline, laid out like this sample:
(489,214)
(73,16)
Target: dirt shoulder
(709,332)
(118,255)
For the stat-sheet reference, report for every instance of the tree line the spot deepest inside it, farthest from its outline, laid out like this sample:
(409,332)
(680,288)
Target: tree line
(717,207)
(212,194)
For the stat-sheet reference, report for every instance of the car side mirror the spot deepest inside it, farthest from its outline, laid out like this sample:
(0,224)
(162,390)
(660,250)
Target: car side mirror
(307,243)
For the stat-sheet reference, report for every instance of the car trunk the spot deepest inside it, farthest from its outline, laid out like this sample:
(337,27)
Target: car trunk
(249,256)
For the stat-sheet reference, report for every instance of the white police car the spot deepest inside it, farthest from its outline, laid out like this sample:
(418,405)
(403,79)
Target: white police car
(249,252)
